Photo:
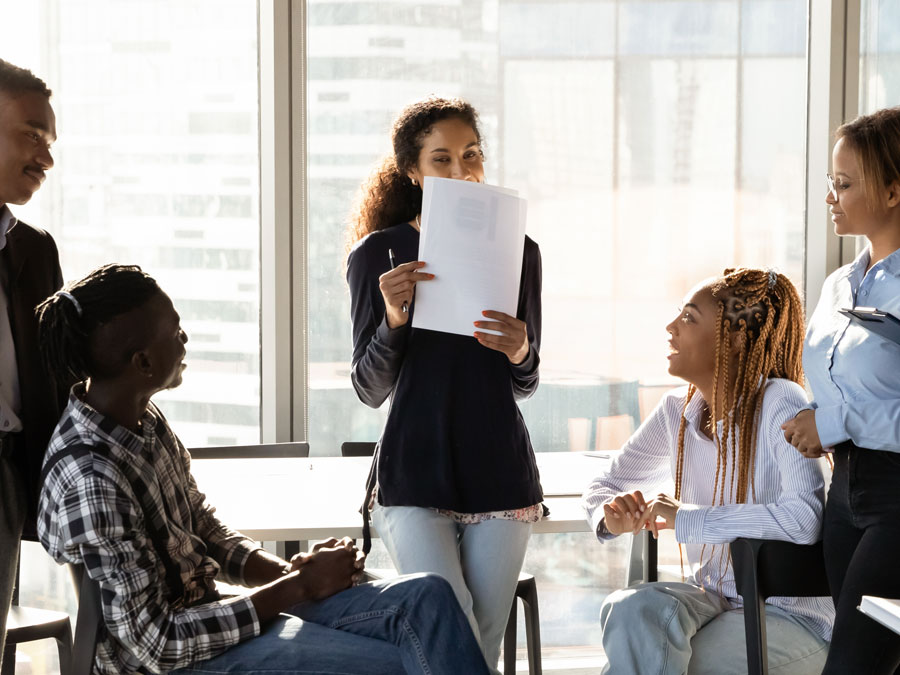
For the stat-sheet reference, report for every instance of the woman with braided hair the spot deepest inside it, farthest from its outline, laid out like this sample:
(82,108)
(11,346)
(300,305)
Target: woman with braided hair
(853,374)
(714,454)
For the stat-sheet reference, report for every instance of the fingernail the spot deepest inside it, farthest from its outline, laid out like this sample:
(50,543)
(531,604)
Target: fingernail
(642,508)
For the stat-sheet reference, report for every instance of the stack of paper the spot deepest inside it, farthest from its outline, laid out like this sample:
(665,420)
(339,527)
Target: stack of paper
(472,241)
(883,610)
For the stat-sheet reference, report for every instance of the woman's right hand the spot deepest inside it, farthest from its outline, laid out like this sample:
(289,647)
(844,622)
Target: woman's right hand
(397,287)
(622,514)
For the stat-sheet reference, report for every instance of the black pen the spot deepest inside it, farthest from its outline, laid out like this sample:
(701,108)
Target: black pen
(394,266)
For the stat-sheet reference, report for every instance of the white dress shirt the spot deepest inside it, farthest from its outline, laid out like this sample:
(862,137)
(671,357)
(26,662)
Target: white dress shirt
(785,503)
(10,399)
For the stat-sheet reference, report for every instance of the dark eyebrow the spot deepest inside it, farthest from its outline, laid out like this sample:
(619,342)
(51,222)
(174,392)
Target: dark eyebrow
(692,306)
(475,143)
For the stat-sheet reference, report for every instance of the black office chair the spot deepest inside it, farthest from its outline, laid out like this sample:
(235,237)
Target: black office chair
(260,450)
(763,568)
(28,624)
(526,591)
(766,568)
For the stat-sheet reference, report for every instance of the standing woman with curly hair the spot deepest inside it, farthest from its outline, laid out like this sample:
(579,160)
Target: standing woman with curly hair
(715,452)
(456,484)
(854,375)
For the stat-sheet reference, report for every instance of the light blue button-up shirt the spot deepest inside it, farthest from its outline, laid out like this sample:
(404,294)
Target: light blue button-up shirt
(854,373)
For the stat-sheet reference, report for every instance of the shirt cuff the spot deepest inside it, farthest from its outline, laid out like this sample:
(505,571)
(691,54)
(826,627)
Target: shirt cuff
(689,523)
(529,365)
(245,617)
(392,337)
(603,534)
(830,425)
(238,557)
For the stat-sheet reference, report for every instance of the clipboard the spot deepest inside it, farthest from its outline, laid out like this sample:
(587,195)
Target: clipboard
(881,323)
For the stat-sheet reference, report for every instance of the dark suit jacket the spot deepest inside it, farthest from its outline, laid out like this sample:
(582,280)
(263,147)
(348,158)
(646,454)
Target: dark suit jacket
(29,272)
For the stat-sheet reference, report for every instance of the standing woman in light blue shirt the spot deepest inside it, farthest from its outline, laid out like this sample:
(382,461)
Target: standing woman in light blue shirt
(855,379)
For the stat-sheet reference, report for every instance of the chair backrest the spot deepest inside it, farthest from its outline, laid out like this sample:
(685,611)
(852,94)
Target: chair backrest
(779,568)
(357,448)
(88,623)
(765,568)
(262,450)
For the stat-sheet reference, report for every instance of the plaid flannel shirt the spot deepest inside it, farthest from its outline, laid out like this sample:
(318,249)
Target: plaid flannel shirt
(97,508)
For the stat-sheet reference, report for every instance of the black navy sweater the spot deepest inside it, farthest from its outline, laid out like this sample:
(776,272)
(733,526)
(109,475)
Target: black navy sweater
(454,437)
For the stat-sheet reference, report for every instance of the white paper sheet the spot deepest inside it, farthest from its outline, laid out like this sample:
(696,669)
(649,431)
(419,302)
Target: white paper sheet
(472,241)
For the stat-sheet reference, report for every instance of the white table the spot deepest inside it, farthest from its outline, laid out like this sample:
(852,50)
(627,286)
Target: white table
(303,499)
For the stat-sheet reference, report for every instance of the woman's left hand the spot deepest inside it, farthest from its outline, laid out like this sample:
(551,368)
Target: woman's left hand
(514,339)
(663,506)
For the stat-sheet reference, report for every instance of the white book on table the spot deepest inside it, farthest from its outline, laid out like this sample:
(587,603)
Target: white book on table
(472,240)
(884,610)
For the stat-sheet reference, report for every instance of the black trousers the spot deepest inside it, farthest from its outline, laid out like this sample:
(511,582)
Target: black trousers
(862,557)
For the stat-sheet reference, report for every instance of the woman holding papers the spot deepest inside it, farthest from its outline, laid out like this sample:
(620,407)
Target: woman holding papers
(715,453)
(854,375)
(456,484)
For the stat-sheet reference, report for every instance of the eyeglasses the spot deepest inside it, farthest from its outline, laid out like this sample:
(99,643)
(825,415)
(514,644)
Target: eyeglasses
(829,181)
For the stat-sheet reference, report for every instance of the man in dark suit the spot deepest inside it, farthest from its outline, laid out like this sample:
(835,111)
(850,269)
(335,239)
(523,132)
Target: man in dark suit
(30,404)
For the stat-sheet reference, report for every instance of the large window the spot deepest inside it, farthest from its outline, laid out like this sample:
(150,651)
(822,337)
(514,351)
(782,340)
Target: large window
(157,164)
(642,134)
(879,62)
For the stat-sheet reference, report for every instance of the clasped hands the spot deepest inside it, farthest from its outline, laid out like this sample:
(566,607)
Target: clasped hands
(330,567)
(398,285)
(630,512)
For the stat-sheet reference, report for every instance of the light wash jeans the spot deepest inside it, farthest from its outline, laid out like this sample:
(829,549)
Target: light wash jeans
(12,517)
(482,562)
(673,628)
(403,625)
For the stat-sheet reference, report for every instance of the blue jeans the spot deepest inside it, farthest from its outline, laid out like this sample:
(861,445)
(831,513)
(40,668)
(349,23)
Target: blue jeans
(405,625)
(481,561)
(669,628)
(862,539)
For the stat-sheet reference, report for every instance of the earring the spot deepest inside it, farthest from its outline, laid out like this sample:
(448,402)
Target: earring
(413,181)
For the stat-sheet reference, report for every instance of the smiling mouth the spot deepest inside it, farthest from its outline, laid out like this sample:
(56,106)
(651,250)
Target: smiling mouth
(36,175)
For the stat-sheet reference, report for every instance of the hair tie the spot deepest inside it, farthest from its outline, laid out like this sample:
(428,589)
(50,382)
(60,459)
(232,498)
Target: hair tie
(773,277)
(72,299)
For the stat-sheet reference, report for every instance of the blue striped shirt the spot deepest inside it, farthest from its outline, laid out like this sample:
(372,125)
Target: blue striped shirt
(853,373)
(786,503)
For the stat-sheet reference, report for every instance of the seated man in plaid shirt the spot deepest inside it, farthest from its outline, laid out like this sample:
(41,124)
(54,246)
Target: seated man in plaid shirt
(118,497)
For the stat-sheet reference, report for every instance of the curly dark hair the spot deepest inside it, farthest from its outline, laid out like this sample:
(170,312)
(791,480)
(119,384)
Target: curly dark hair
(16,81)
(388,196)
